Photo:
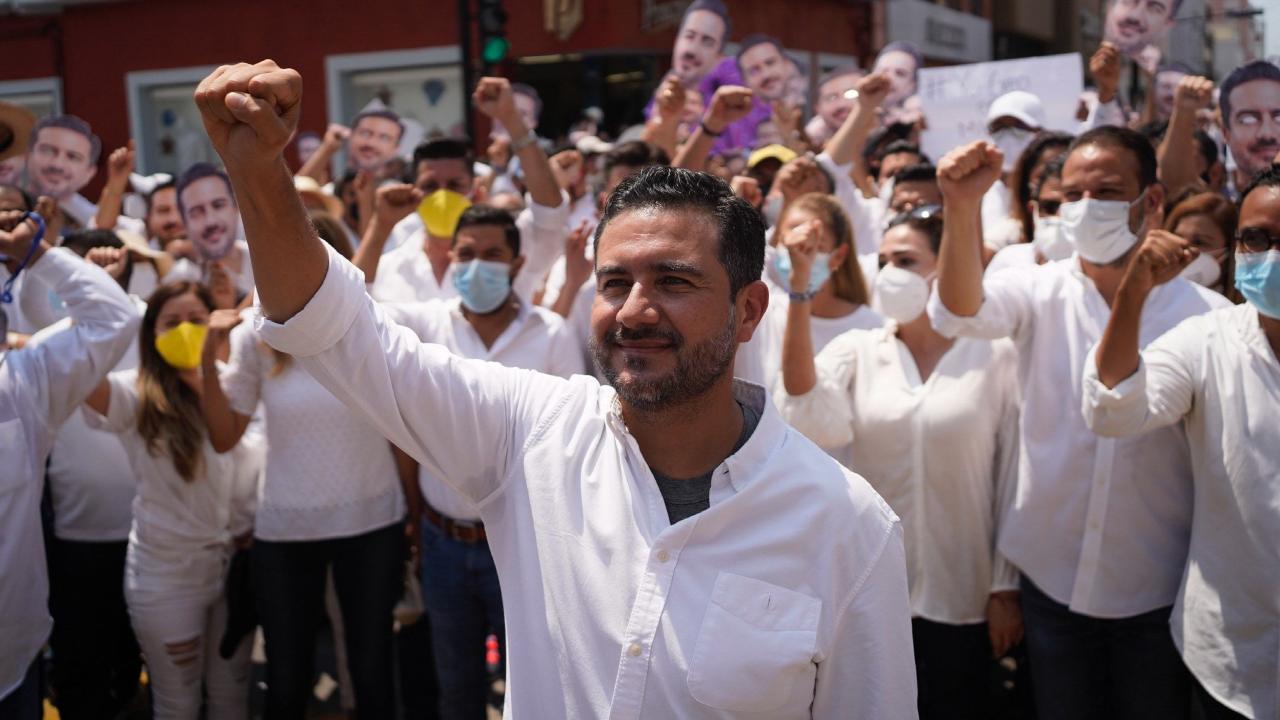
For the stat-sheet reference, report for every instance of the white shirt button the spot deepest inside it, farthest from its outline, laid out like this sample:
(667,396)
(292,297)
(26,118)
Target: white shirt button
(663,556)
(634,650)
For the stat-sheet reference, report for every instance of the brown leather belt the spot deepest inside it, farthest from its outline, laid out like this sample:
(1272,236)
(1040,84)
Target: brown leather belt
(463,531)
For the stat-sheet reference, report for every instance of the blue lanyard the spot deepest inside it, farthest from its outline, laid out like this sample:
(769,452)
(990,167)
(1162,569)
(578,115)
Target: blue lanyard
(6,294)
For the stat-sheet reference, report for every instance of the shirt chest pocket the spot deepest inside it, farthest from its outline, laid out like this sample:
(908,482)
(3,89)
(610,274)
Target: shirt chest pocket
(755,646)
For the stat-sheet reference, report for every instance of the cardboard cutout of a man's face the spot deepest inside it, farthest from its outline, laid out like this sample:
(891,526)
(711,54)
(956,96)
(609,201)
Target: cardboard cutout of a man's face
(766,71)
(373,142)
(1133,26)
(698,46)
(1166,84)
(211,216)
(833,105)
(901,69)
(1253,129)
(60,163)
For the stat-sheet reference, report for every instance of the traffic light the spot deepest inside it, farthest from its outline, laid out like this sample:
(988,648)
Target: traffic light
(493,32)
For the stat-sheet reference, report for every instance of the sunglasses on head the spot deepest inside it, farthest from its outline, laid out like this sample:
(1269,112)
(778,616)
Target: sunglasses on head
(924,212)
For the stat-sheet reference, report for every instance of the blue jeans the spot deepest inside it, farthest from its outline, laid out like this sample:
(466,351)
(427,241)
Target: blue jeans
(464,605)
(1087,667)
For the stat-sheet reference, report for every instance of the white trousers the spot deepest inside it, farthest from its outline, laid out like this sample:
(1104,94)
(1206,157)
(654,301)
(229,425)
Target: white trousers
(179,613)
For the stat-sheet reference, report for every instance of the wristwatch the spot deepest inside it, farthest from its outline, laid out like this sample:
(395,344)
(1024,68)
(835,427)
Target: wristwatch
(529,138)
(805,296)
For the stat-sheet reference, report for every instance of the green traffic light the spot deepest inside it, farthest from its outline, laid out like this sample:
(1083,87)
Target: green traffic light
(495,50)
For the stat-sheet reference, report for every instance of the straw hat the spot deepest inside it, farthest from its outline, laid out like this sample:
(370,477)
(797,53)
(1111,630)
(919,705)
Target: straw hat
(309,189)
(137,245)
(15,130)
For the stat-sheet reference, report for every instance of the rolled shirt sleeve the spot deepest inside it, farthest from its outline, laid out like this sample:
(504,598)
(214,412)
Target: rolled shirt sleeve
(1159,393)
(1006,309)
(542,234)
(825,413)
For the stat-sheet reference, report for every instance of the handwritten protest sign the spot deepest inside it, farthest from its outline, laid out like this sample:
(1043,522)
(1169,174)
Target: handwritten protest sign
(955,99)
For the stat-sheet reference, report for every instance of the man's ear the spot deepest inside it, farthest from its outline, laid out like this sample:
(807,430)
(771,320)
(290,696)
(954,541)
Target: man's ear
(752,302)
(516,265)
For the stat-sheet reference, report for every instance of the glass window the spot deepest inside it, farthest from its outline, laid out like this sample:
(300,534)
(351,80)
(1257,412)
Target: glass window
(164,120)
(42,96)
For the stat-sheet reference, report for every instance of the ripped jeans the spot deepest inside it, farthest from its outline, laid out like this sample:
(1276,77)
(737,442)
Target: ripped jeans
(179,612)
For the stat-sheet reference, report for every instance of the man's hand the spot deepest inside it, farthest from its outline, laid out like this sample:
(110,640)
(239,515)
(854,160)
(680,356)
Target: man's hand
(577,267)
(872,90)
(48,209)
(114,260)
(250,112)
(335,135)
(1193,93)
(221,286)
(966,173)
(802,245)
(566,166)
(394,203)
(788,119)
(219,329)
(1104,66)
(801,175)
(16,236)
(747,188)
(1004,622)
(1159,259)
(730,104)
(669,100)
(119,165)
(494,98)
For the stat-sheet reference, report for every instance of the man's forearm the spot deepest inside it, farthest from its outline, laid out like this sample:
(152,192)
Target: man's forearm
(695,151)
(1118,354)
(798,372)
(289,261)
(109,203)
(1176,168)
(538,178)
(317,166)
(849,139)
(960,261)
(369,253)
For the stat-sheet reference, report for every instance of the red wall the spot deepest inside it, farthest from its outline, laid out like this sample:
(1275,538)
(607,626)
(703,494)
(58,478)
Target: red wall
(100,43)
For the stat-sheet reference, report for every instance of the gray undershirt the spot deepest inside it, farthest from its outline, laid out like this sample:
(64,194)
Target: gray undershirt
(686,498)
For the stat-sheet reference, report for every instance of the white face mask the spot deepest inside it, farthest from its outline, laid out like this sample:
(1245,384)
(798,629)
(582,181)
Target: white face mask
(901,295)
(1049,240)
(1204,270)
(1012,141)
(1099,229)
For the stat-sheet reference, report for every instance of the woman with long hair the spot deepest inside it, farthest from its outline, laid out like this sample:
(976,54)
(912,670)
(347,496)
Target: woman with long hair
(331,497)
(1208,221)
(834,296)
(931,423)
(191,505)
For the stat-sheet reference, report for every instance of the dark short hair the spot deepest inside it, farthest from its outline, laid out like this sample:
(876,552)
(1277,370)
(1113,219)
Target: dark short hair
(1154,131)
(929,223)
(903,47)
(169,184)
(634,154)
(756,39)
(444,149)
(530,92)
(716,7)
(1256,70)
(920,172)
(200,171)
(69,122)
(1040,144)
(28,202)
(478,215)
(1208,148)
(1269,177)
(1051,169)
(382,113)
(1175,66)
(1120,137)
(739,226)
(81,242)
(902,146)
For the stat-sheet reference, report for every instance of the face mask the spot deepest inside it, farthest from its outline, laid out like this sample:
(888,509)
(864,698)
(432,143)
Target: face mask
(772,209)
(1012,141)
(1258,279)
(1049,239)
(440,212)
(901,295)
(182,346)
(482,284)
(817,276)
(1204,270)
(1099,229)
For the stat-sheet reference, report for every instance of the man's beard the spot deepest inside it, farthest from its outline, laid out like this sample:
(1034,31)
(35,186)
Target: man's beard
(697,369)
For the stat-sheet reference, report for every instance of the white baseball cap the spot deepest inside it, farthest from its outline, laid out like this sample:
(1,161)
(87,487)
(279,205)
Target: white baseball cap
(1018,104)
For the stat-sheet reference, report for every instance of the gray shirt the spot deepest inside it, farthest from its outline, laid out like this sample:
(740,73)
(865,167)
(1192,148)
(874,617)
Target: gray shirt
(688,497)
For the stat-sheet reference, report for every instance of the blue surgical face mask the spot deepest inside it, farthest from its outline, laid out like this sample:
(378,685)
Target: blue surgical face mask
(482,285)
(1258,279)
(818,275)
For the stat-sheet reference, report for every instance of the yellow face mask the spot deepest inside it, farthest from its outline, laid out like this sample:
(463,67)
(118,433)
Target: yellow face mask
(440,212)
(182,346)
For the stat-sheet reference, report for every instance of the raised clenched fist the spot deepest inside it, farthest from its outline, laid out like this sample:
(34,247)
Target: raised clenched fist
(250,112)
(393,203)
(873,89)
(494,98)
(730,104)
(1104,66)
(1160,258)
(1193,93)
(967,172)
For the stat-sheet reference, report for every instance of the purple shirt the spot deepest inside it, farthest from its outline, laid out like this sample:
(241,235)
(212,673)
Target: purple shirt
(741,134)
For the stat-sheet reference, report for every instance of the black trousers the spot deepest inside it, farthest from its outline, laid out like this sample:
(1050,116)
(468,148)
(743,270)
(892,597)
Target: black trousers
(96,661)
(953,670)
(289,586)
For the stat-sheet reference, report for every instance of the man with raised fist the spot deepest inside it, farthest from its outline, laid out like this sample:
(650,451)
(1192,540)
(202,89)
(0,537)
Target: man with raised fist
(1100,527)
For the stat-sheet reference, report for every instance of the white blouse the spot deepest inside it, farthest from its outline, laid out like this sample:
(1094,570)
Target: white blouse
(1217,373)
(942,452)
(173,517)
(328,473)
